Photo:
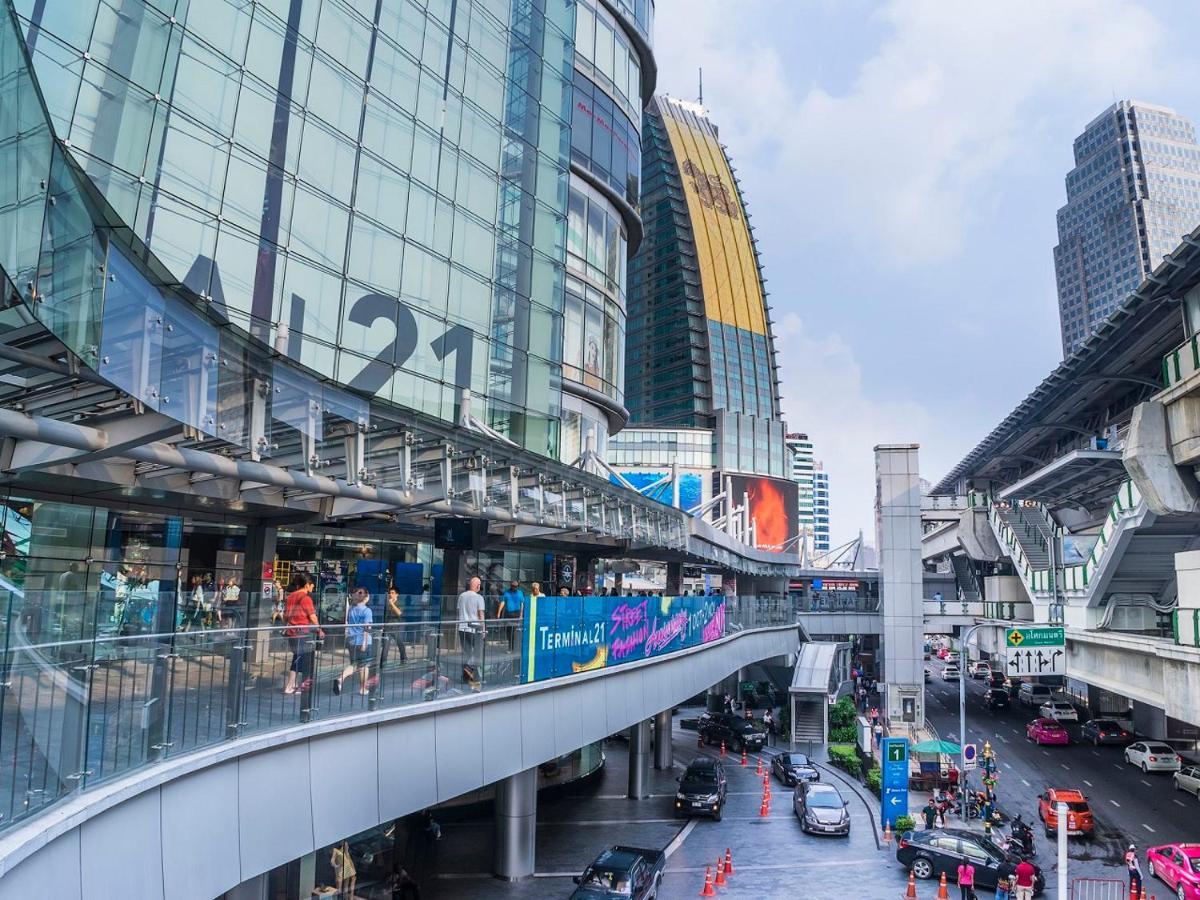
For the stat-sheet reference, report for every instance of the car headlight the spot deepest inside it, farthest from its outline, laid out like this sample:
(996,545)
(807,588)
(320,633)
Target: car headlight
(712,798)
(680,798)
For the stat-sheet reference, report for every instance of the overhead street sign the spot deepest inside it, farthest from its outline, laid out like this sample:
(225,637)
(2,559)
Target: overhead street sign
(1031,636)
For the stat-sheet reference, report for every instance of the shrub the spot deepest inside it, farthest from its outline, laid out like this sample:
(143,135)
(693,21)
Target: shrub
(845,757)
(873,779)
(841,714)
(905,823)
(846,734)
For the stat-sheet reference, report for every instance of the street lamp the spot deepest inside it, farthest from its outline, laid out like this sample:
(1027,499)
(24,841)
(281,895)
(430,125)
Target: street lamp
(962,713)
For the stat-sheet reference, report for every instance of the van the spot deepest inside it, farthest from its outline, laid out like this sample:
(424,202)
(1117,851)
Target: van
(1034,694)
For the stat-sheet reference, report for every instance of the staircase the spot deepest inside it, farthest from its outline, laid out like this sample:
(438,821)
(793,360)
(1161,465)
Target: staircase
(964,578)
(1034,533)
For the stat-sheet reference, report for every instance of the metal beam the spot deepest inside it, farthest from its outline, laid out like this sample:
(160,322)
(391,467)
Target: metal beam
(119,435)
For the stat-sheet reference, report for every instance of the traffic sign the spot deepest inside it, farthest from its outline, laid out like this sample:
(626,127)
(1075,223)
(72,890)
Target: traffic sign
(970,757)
(1035,651)
(894,781)
(1035,637)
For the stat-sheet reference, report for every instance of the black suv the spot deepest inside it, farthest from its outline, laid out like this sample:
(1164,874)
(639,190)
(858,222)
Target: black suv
(931,853)
(738,734)
(702,788)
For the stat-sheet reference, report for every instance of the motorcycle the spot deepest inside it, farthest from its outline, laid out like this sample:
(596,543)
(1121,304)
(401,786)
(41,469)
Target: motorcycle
(1020,839)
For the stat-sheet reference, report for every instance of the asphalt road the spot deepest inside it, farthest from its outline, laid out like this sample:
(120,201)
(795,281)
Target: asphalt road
(1129,807)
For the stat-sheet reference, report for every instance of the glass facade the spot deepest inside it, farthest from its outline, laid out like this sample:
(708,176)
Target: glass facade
(1134,190)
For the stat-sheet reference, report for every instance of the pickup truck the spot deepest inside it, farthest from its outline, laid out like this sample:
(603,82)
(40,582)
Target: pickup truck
(622,872)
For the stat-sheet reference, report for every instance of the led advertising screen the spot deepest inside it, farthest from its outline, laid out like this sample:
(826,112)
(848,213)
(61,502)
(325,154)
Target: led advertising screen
(774,509)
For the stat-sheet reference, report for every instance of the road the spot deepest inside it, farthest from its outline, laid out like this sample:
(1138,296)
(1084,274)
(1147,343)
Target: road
(1129,807)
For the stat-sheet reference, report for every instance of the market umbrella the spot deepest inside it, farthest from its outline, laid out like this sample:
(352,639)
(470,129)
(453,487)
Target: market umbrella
(946,747)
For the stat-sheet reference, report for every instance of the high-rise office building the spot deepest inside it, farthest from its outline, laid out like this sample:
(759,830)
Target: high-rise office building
(1134,190)
(821,540)
(812,483)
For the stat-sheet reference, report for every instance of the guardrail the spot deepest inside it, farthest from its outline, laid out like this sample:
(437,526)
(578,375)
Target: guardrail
(1182,362)
(78,713)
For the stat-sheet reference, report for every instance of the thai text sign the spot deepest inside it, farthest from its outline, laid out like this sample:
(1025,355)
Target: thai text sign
(564,635)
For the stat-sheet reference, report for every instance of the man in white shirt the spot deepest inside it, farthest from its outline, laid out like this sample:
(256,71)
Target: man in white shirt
(470,620)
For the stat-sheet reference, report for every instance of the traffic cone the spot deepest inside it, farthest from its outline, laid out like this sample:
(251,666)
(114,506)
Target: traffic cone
(708,883)
(943,893)
(720,882)
(744,763)
(728,862)
(699,740)
(722,749)
(765,809)
(887,832)
(1143,897)
(759,770)
(911,893)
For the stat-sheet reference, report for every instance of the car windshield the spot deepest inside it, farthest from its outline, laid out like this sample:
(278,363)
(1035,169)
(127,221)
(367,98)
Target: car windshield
(606,879)
(1192,852)
(795,759)
(825,799)
(1106,725)
(701,782)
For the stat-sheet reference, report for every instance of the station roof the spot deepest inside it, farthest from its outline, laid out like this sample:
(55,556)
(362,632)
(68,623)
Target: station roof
(1113,370)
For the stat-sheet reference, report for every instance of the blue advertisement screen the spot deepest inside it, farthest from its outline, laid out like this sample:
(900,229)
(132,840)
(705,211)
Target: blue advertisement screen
(565,635)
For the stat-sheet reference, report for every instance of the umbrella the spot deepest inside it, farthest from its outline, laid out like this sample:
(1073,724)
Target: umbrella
(946,747)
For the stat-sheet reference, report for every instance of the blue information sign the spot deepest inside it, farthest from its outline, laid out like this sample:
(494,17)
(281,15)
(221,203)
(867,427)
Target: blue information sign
(894,781)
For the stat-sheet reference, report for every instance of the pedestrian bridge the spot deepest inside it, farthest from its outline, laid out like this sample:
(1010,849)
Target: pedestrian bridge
(196,805)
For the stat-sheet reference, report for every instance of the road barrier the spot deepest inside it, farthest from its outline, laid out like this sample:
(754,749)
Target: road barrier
(1099,889)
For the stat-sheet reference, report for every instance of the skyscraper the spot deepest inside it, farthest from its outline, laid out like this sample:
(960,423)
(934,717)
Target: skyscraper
(1134,190)
(812,482)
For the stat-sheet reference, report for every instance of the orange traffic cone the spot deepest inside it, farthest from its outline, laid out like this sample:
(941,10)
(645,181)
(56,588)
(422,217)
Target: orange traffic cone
(911,893)
(1143,897)
(887,832)
(765,809)
(708,883)
(699,739)
(943,893)
(728,862)
(744,763)
(720,882)
(759,770)
(722,749)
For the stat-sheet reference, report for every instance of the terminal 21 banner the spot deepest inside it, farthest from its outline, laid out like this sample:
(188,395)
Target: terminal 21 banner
(566,635)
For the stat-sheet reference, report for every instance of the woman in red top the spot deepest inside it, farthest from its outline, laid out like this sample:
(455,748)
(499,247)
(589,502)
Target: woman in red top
(300,616)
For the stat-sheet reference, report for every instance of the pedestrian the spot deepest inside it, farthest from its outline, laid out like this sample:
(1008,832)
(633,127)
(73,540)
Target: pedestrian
(966,880)
(564,591)
(1002,889)
(1023,880)
(535,590)
(878,731)
(1135,870)
(512,607)
(470,626)
(930,813)
(358,641)
(300,619)
(393,628)
(195,611)
(769,722)
(728,704)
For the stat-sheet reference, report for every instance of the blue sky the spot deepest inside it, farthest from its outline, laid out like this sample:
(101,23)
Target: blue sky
(902,162)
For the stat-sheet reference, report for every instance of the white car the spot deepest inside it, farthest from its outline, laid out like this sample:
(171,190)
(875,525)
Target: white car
(1059,711)
(981,669)
(951,658)
(950,673)
(1152,756)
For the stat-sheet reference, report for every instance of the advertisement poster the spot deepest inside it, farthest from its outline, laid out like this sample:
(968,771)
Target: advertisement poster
(565,635)
(774,508)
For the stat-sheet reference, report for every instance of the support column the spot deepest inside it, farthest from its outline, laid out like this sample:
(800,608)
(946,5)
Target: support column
(639,760)
(674,579)
(664,755)
(516,826)
(258,576)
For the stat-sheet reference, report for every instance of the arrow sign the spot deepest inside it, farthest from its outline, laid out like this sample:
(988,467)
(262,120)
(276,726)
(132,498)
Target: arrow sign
(895,801)
(1035,651)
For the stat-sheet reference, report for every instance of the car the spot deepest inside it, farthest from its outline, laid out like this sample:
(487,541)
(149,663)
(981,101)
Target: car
(632,872)
(943,652)
(928,675)
(1153,756)
(1178,867)
(996,698)
(981,669)
(1059,711)
(928,854)
(1035,694)
(951,657)
(820,809)
(1188,780)
(998,679)
(702,788)
(950,673)
(1046,731)
(736,732)
(1104,731)
(792,768)
(1079,814)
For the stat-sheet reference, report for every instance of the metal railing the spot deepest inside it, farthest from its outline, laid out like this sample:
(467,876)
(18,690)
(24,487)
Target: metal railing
(77,713)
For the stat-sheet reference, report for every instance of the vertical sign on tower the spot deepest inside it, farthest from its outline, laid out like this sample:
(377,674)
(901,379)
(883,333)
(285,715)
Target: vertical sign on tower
(894,781)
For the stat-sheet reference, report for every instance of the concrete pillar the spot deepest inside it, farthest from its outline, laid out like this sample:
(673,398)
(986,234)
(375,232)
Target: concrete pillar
(674,579)
(258,575)
(664,756)
(639,760)
(516,826)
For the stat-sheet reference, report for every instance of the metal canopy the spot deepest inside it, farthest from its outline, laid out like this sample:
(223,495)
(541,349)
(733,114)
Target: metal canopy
(1086,478)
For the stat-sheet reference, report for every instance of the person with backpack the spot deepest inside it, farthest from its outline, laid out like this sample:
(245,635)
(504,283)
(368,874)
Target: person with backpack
(300,618)
(358,641)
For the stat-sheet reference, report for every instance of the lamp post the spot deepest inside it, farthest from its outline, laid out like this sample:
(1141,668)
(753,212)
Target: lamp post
(962,713)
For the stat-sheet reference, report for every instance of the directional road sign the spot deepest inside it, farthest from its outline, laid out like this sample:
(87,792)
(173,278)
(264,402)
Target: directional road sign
(894,781)
(970,757)
(1035,651)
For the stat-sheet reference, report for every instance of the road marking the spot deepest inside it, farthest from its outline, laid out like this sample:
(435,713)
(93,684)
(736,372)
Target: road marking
(776,867)
(1145,782)
(1115,803)
(1148,828)
(678,840)
(1095,753)
(1088,783)
(1180,802)
(1065,766)
(1026,783)
(1003,738)
(1047,752)
(1118,768)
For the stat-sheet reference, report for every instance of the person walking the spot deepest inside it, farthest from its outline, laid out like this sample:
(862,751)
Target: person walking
(471,627)
(930,814)
(358,641)
(769,722)
(966,880)
(512,607)
(300,619)
(393,628)
(1023,880)
(1135,870)
(1002,889)
(878,732)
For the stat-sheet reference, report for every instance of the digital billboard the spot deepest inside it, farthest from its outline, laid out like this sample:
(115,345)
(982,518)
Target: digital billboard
(774,509)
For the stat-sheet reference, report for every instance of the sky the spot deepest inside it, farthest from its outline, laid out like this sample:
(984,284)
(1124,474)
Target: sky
(902,162)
